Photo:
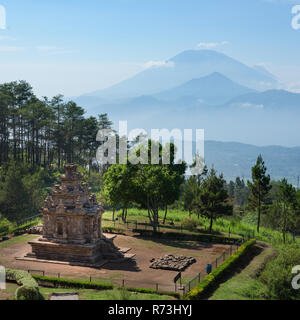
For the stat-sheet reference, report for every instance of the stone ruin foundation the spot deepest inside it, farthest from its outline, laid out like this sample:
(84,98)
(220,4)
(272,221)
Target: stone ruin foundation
(71,230)
(172,262)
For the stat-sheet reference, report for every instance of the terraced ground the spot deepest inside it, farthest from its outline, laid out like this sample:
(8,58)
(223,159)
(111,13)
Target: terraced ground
(236,287)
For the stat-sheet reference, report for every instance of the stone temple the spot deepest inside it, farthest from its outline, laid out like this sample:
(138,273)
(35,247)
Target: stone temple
(72,226)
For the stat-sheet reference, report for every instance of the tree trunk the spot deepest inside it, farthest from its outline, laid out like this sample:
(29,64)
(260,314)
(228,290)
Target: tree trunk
(259,209)
(155,220)
(123,211)
(113,216)
(258,220)
(211,224)
(165,217)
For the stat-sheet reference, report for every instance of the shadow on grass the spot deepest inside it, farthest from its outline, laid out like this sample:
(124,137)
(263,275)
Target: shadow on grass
(182,244)
(126,265)
(236,269)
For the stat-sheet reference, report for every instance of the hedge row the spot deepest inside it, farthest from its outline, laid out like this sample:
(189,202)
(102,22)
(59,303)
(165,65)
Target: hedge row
(185,236)
(110,229)
(68,283)
(6,230)
(152,291)
(211,279)
(29,289)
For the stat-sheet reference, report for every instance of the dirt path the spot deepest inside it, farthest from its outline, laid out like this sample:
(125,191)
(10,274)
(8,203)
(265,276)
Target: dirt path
(136,273)
(234,288)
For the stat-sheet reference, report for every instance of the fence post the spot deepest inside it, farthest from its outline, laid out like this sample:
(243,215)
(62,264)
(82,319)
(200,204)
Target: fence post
(189,286)
(216,262)
(157,287)
(123,283)
(90,278)
(199,277)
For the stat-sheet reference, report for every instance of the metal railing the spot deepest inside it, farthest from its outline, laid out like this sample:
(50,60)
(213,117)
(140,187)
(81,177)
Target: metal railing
(214,264)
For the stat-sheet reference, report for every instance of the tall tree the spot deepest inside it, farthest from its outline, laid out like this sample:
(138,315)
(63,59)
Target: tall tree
(155,181)
(287,202)
(259,188)
(213,200)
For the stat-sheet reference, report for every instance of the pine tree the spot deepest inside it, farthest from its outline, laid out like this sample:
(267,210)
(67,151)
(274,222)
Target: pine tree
(259,188)
(213,199)
(286,201)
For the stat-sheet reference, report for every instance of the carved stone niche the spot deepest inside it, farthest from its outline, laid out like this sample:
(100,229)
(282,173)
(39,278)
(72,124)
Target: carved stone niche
(61,228)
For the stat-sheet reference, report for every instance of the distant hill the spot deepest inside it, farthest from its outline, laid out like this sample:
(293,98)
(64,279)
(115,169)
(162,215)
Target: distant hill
(236,159)
(208,90)
(212,89)
(270,99)
(188,65)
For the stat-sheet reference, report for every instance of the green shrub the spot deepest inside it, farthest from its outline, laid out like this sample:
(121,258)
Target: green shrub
(211,279)
(110,229)
(152,291)
(29,289)
(190,224)
(68,283)
(277,275)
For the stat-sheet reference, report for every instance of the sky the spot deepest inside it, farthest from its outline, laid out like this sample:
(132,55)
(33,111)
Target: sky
(79,46)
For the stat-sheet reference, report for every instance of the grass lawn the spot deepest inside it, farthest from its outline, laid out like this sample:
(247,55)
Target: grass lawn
(18,239)
(88,294)
(236,287)
(221,226)
(9,292)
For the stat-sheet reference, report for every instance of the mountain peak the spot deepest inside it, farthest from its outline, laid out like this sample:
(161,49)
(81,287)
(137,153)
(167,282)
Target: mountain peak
(192,56)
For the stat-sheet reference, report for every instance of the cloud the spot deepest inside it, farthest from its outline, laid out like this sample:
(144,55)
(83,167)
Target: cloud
(247,105)
(151,64)
(46,48)
(11,49)
(210,45)
(7,38)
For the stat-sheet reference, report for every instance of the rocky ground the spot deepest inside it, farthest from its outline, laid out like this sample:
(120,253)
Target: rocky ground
(172,262)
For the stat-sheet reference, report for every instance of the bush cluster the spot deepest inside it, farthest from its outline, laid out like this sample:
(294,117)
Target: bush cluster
(152,291)
(67,283)
(190,224)
(29,289)
(277,275)
(110,229)
(211,279)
